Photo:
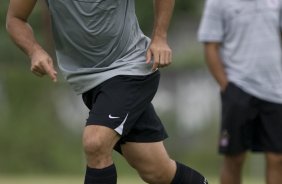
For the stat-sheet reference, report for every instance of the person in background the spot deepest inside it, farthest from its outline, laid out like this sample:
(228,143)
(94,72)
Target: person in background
(242,45)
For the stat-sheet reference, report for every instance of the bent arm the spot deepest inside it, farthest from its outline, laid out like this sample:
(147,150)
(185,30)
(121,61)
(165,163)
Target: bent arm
(159,49)
(18,27)
(215,64)
(21,33)
(163,13)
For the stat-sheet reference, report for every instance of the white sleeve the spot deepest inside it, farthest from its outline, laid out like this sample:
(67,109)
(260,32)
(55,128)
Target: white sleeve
(280,14)
(211,26)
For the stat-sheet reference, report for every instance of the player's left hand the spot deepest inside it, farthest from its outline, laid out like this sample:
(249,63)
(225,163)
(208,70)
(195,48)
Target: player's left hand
(160,52)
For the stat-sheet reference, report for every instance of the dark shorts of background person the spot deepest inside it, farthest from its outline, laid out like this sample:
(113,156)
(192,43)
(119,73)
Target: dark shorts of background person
(249,123)
(123,103)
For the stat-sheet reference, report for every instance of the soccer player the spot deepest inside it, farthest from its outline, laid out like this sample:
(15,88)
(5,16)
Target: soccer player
(104,56)
(243,51)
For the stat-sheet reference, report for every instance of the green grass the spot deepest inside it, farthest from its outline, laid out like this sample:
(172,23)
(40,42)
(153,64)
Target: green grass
(78,180)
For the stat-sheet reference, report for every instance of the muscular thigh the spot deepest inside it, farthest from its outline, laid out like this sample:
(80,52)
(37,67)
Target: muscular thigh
(123,104)
(147,157)
(100,136)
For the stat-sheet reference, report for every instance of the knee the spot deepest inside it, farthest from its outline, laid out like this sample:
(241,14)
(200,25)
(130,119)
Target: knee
(92,146)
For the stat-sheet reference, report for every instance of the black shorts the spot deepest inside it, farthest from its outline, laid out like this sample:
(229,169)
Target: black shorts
(123,103)
(249,123)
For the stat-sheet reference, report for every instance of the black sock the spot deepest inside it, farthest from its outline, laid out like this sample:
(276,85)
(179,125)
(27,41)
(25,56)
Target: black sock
(107,175)
(186,175)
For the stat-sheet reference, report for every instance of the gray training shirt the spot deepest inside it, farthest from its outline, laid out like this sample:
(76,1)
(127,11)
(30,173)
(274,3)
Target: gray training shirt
(249,33)
(96,40)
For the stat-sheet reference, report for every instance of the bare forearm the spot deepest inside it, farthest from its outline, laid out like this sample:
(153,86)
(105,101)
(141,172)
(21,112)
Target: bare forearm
(215,65)
(159,51)
(22,34)
(163,13)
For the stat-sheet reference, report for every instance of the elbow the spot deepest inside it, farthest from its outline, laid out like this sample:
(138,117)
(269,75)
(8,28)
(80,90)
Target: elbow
(9,23)
(12,23)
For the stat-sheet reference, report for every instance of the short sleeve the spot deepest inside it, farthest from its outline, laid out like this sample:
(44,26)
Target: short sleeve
(211,25)
(280,14)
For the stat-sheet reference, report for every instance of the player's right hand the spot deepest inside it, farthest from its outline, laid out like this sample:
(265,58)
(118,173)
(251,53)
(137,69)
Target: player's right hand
(42,64)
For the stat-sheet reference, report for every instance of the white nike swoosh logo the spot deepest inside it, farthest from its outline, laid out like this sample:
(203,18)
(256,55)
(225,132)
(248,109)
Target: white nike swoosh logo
(119,129)
(113,117)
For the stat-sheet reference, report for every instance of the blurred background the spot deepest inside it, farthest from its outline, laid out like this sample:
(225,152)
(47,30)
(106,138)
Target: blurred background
(41,122)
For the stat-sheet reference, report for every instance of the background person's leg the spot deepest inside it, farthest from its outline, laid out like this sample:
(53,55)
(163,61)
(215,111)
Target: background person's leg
(270,136)
(273,168)
(98,142)
(156,167)
(232,168)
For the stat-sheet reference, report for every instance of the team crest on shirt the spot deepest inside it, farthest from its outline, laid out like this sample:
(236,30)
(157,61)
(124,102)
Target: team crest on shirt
(274,4)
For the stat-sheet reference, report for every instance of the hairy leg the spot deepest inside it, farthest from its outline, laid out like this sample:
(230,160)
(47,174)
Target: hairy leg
(98,143)
(151,161)
(232,168)
(156,167)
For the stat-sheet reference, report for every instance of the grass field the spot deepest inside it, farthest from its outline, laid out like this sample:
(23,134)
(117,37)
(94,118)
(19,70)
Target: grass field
(78,180)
